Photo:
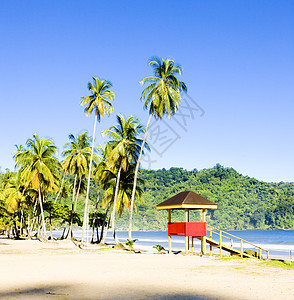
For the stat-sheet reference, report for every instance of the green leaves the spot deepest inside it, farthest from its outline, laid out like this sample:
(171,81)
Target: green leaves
(162,95)
(130,243)
(78,154)
(100,98)
(159,248)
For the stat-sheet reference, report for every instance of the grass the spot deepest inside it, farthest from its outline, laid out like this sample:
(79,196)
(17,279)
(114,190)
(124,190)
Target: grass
(277,264)
(226,258)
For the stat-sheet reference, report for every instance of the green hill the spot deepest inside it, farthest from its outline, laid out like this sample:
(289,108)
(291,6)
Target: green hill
(243,202)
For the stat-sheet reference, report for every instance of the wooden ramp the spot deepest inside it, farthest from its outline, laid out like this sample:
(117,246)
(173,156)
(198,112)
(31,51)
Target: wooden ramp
(216,237)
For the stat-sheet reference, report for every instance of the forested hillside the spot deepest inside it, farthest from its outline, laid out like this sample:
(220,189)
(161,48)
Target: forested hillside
(243,202)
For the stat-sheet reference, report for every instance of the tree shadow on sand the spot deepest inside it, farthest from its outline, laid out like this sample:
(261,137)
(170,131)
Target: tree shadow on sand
(54,290)
(69,292)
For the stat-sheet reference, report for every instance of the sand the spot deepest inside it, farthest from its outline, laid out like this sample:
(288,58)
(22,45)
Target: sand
(60,270)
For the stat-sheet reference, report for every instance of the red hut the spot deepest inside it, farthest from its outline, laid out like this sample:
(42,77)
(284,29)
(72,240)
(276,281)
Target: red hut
(187,201)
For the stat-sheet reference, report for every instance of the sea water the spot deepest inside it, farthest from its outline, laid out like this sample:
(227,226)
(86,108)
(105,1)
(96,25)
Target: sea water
(278,242)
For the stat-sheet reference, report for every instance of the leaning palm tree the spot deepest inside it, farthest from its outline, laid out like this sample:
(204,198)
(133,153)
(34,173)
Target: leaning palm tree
(77,153)
(125,148)
(162,96)
(39,168)
(99,101)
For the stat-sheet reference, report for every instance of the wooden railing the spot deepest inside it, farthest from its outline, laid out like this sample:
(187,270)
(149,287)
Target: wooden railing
(224,235)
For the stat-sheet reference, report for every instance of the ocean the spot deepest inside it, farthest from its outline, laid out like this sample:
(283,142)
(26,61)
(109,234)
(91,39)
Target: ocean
(278,242)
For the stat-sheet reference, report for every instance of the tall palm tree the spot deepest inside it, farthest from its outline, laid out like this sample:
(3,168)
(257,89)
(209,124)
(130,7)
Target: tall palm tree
(125,148)
(99,101)
(162,97)
(39,168)
(77,153)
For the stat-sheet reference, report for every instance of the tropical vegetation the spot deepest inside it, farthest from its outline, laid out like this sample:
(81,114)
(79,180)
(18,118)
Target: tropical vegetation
(99,187)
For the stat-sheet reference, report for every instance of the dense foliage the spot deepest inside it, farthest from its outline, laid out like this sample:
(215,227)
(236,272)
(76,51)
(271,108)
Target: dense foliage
(243,202)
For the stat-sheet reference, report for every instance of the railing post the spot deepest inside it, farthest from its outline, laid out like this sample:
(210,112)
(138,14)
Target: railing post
(259,253)
(267,256)
(192,244)
(241,248)
(220,243)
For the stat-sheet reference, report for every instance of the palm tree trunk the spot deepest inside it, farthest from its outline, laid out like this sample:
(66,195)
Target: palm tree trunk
(88,185)
(21,221)
(78,193)
(114,206)
(135,179)
(38,227)
(60,188)
(94,217)
(62,236)
(42,214)
(26,229)
(16,235)
(50,225)
(102,235)
(34,217)
(69,234)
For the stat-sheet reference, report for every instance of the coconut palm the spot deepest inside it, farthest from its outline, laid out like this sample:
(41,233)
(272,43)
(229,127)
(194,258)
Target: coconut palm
(99,101)
(77,153)
(125,148)
(39,168)
(15,198)
(162,96)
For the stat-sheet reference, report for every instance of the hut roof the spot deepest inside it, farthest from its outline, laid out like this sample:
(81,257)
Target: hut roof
(187,199)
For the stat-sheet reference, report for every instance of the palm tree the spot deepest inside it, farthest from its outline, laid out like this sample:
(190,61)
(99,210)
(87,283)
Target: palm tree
(77,153)
(15,198)
(162,96)
(100,101)
(125,148)
(39,168)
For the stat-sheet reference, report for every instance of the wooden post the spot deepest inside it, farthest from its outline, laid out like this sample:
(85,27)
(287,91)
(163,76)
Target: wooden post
(203,238)
(186,237)
(210,246)
(220,244)
(241,249)
(169,237)
(192,244)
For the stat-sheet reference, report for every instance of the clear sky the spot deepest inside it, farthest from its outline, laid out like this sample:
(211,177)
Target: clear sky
(238,62)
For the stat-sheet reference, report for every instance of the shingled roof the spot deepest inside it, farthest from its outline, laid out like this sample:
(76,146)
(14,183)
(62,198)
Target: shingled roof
(187,199)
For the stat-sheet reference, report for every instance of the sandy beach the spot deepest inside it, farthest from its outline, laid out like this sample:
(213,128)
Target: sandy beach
(60,270)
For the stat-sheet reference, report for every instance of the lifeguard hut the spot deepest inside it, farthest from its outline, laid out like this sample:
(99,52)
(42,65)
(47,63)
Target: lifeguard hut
(187,201)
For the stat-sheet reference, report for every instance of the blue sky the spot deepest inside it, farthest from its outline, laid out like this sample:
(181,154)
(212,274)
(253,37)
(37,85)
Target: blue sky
(238,64)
